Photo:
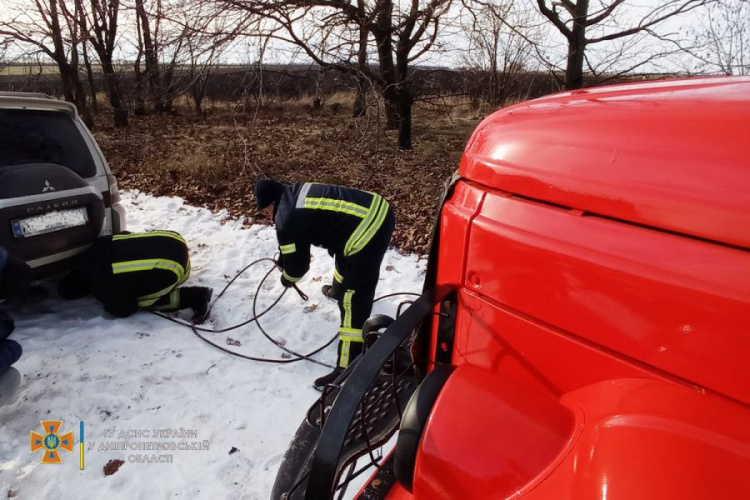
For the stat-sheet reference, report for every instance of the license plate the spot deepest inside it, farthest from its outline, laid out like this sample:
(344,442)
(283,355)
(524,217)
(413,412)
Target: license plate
(50,222)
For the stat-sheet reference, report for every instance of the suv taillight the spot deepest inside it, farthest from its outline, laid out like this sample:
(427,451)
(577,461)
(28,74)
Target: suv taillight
(114,192)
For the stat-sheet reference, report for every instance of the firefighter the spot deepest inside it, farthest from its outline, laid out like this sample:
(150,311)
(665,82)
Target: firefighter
(354,226)
(132,271)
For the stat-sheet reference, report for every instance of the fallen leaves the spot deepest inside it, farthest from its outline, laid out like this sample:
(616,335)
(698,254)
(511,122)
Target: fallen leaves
(206,163)
(112,467)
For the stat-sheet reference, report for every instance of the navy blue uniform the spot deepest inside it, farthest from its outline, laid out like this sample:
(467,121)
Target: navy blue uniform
(355,227)
(132,271)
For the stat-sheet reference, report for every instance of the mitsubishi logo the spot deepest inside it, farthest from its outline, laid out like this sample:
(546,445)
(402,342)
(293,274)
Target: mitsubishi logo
(47,187)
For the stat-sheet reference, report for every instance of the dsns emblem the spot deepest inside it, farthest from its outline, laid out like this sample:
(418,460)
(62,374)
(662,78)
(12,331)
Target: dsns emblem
(51,442)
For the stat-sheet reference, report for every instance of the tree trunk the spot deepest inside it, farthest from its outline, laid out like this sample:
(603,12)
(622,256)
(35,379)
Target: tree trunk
(90,76)
(494,77)
(151,57)
(577,48)
(74,92)
(382,34)
(71,83)
(405,101)
(166,97)
(198,100)
(405,98)
(113,90)
(391,110)
(198,92)
(140,101)
(360,102)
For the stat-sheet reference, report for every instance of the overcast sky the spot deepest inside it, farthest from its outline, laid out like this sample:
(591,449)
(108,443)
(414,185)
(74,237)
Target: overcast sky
(453,46)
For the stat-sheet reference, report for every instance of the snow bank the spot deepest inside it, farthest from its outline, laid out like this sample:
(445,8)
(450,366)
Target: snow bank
(143,385)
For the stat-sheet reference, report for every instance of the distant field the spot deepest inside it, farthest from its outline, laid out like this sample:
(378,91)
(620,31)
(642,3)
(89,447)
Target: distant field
(22,69)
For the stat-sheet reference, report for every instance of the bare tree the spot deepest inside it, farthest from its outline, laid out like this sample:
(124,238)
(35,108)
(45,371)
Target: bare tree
(721,38)
(576,18)
(4,46)
(149,17)
(44,26)
(502,39)
(331,32)
(98,21)
(205,30)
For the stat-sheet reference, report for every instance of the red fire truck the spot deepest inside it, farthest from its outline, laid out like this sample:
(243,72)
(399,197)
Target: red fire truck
(584,331)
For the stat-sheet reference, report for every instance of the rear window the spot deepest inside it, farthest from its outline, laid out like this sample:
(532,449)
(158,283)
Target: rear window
(30,136)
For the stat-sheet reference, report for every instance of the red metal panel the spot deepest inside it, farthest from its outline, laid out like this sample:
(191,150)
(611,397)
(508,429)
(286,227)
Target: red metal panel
(677,304)
(540,358)
(652,441)
(672,155)
(397,492)
(487,438)
(455,223)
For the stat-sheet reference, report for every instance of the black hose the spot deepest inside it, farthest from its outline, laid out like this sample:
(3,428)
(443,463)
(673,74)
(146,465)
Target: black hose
(256,316)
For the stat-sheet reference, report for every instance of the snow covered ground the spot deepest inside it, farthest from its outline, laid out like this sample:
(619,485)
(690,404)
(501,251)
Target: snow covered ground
(145,382)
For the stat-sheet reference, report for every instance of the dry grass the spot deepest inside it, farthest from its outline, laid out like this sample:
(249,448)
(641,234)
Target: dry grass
(23,69)
(217,160)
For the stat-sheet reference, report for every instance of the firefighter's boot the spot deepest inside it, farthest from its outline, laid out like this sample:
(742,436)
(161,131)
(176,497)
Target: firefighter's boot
(196,298)
(355,349)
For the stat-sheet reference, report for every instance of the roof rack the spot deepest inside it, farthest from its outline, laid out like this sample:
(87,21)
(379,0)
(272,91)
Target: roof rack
(37,95)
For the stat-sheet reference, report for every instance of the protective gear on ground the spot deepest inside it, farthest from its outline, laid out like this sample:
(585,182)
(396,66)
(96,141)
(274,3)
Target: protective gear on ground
(356,227)
(126,272)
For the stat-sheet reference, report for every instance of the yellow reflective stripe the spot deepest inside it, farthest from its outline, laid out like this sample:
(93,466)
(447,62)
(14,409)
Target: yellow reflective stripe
(157,295)
(147,234)
(290,278)
(351,334)
(362,227)
(174,302)
(365,239)
(287,249)
(184,276)
(149,264)
(347,323)
(336,206)
(344,357)
(337,276)
(147,302)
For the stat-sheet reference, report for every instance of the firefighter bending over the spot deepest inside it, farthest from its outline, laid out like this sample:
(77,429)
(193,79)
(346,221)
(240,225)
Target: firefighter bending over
(132,271)
(354,226)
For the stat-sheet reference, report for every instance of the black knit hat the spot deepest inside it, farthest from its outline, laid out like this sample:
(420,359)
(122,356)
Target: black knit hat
(268,192)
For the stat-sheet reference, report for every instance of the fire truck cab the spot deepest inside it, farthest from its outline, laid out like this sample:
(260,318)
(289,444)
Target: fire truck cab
(590,337)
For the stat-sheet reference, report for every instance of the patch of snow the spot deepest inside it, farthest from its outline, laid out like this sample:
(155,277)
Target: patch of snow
(144,376)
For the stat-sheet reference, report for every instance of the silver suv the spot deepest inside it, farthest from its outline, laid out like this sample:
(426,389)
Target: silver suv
(57,193)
